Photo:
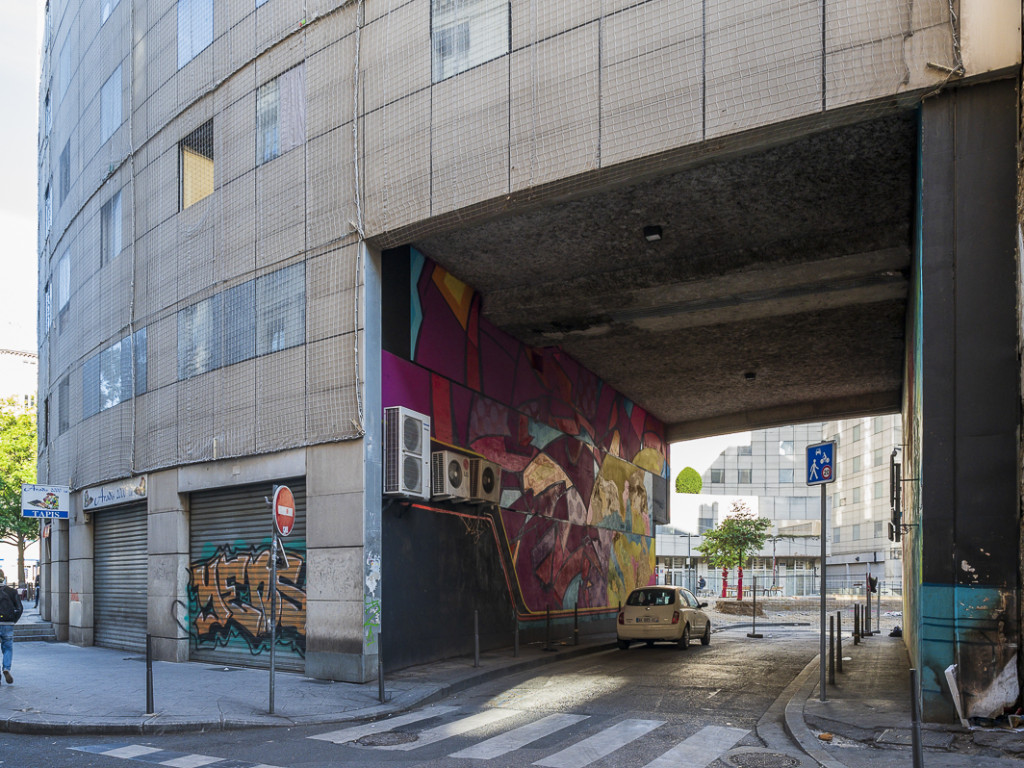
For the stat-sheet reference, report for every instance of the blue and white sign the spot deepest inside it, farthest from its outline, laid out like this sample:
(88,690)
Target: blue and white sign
(49,501)
(821,463)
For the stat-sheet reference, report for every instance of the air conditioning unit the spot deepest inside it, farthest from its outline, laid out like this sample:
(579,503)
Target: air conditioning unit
(406,453)
(449,475)
(485,481)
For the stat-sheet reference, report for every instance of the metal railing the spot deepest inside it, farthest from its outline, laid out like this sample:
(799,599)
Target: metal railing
(802,584)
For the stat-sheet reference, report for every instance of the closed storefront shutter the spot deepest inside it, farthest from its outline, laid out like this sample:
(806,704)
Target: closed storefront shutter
(120,576)
(229,578)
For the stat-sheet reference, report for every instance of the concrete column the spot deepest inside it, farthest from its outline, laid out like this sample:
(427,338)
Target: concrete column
(963,412)
(168,529)
(80,574)
(343,518)
(60,581)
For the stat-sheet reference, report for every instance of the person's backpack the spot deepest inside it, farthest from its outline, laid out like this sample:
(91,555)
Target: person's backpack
(10,605)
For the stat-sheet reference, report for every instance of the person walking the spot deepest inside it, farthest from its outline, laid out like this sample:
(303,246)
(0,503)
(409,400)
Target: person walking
(10,611)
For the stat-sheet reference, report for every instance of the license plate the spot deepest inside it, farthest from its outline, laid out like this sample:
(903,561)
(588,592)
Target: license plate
(647,620)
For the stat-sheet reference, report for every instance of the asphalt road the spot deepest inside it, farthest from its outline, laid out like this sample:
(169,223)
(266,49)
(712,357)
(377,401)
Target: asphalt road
(648,706)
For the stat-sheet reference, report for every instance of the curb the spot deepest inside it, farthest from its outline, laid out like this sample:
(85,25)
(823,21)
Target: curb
(796,725)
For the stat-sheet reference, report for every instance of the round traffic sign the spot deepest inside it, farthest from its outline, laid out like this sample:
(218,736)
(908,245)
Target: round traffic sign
(826,472)
(284,510)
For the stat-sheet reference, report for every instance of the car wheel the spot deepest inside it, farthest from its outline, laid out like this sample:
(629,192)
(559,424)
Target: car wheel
(705,639)
(623,645)
(684,641)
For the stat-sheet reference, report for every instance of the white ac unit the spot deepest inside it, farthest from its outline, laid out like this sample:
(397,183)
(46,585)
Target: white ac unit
(406,453)
(485,481)
(449,475)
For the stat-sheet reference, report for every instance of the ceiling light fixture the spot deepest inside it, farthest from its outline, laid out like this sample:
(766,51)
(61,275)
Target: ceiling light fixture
(652,234)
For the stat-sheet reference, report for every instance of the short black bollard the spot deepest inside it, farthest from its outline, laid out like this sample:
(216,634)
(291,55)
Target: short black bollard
(380,669)
(856,625)
(831,650)
(476,638)
(576,623)
(150,709)
(839,642)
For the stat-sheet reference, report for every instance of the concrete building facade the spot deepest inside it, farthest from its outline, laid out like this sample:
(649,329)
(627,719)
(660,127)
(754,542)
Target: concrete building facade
(261,226)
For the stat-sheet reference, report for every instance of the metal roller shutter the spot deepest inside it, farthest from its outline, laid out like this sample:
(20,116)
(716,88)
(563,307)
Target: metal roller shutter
(120,577)
(229,570)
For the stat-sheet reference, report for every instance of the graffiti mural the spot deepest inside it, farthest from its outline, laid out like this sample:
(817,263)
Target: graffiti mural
(229,600)
(584,470)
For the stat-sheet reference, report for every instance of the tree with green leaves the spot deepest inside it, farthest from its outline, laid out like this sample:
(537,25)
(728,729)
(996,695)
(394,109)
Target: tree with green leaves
(17,466)
(731,543)
(688,481)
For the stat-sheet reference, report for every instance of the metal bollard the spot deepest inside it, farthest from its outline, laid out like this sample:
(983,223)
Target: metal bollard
(915,719)
(476,638)
(150,709)
(380,669)
(839,642)
(831,650)
(856,625)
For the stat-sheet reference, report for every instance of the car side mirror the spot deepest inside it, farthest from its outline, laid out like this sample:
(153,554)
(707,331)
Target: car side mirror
(703,605)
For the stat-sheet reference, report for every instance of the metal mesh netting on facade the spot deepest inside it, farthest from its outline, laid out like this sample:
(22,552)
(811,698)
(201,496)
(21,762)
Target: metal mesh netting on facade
(209,170)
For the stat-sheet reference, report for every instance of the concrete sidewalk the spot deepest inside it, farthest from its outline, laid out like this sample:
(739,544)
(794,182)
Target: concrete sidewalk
(63,689)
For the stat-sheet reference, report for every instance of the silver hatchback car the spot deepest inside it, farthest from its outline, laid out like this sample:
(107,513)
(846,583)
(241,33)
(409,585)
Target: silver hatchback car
(662,613)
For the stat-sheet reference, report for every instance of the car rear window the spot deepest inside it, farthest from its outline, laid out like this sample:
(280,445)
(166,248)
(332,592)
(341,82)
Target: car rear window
(651,597)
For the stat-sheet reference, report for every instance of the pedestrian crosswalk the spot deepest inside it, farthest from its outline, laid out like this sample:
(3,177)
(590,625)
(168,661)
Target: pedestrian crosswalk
(156,756)
(590,745)
(700,749)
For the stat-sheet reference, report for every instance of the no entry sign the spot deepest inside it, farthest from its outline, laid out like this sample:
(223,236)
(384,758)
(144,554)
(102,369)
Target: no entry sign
(284,510)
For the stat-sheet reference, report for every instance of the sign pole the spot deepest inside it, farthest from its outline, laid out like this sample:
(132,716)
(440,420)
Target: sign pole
(283,511)
(821,643)
(273,613)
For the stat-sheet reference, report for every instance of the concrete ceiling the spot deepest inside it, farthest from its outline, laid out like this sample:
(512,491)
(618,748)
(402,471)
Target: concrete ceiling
(777,293)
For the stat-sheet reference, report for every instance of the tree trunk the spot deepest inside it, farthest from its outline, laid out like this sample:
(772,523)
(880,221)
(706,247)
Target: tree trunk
(725,580)
(739,583)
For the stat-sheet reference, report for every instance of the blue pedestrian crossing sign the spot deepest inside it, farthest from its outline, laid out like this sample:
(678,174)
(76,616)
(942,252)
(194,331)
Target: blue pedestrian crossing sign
(821,463)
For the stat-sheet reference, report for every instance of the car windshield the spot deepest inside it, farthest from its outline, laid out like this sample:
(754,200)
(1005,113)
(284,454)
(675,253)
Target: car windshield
(651,597)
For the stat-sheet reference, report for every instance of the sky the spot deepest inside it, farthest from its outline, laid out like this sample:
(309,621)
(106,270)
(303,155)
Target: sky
(19,91)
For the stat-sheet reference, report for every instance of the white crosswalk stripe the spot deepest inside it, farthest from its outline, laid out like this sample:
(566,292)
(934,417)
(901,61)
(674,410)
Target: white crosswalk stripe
(600,744)
(447,730)
(703,748)
(382,726)
(157,756)
(520,737)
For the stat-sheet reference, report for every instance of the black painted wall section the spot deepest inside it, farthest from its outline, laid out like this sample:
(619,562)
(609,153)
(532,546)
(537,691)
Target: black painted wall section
(396,333)
(437,569)
(971,399)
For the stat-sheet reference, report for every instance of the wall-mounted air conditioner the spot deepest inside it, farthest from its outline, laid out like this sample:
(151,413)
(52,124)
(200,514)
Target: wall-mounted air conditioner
(406,453)
(449,475)
(485,481)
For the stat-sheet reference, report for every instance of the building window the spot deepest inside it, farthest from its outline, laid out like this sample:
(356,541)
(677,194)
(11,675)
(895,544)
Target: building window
(47,113)
(196,165)
(879,529)
(836,538)
(198,334)
(717,475)
(465,33)
(106,6)
(743,476)
(856,432)
(281,114)
(63,288)
(878,457)
(195,28)
(47,308)
(110,229)
(879,492)
(856,495)
(65,171)
(63,405)
(47,210)
(786,475)
(785,448)
(744,450)
(855,532)
(113,376)
(260,2)
(855,462)
(110,106)
(879,424)
(281,309)
(44,433)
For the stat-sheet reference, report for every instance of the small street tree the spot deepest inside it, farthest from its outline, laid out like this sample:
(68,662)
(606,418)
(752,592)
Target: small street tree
(688,481)
(730,544)
(17,466)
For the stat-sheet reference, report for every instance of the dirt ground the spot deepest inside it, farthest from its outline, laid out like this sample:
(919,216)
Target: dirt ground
(804,610)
